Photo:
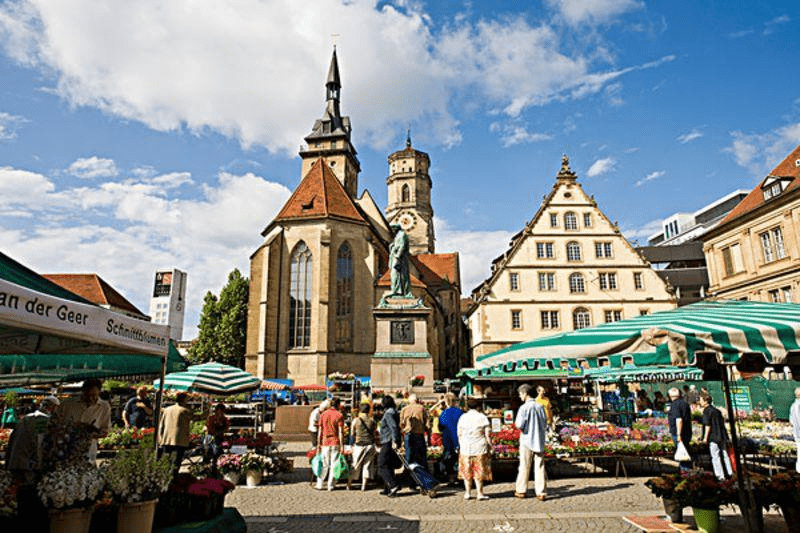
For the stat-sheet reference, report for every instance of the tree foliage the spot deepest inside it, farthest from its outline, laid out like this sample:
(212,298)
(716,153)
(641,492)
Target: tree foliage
(223,324)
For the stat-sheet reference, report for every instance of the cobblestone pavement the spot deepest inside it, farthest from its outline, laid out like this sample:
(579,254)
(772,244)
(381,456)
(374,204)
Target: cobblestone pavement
(584,504)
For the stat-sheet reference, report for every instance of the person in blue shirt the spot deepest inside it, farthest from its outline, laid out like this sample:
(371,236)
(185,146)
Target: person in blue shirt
(532,422)
(448,425)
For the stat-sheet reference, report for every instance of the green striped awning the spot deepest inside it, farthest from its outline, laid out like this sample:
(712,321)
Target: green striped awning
(727,327)
(520,372)
(647,374)
(211,378)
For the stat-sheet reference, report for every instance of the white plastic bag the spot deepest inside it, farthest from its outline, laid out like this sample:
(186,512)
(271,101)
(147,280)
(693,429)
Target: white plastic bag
(681,454)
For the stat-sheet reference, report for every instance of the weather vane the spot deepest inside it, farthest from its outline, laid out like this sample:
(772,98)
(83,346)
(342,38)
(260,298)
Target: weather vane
(334,35)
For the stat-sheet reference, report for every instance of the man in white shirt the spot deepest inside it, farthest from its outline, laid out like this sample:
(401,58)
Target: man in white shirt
(90,409)
(794,418)
(532,422)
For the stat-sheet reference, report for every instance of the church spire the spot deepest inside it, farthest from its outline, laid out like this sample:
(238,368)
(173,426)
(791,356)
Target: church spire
(333,84)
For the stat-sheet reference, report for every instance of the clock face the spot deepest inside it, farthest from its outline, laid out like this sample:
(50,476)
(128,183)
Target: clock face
(406,221)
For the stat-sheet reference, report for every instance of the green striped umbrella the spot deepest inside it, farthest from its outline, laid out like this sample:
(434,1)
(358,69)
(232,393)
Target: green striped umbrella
(730,328)
(211,378)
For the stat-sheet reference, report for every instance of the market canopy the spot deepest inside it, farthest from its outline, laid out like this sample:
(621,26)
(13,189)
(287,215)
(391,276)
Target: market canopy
(48,334)
(211,378)
(729,328)
(646,374)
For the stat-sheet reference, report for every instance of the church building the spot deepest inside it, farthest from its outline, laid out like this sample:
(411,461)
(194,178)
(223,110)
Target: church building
(322,268)
(569,268)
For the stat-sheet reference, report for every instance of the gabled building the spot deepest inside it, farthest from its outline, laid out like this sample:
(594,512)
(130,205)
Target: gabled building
(754,253)
(95,289)
(319,273)
(569,268)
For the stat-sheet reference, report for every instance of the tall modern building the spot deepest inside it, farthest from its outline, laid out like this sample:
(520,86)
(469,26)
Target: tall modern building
(168,304)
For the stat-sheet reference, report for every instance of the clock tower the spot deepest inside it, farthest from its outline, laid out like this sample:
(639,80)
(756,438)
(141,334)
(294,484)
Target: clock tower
(410,197)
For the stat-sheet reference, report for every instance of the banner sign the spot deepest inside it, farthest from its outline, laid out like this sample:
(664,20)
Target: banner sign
(740,398)
(34,311)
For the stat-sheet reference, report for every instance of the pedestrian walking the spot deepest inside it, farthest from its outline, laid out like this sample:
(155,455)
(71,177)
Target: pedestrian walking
(448,425)
(313,421)
(330,442)
(794,418)
(362,429)
(414,423)
(474,459)
(173,429)
(390,438)
(532,423)
(680,423)
(715,435)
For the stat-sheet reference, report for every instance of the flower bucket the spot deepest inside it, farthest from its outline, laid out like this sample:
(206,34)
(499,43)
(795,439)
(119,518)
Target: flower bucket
(70,520)
(673,510)
(706,520)
(136,517)
(233,477)
(791,514)
(253,478)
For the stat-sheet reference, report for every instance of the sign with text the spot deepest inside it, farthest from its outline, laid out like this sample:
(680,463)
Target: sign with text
(740,397)
(34,311)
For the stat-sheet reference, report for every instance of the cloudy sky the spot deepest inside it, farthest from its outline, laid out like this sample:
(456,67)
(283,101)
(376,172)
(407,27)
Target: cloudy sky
(142,135)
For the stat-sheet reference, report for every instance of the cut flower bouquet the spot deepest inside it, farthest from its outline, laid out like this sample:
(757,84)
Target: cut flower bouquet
(71,487)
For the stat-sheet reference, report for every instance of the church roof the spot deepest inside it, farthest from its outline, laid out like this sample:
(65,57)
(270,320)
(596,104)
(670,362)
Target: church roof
(320,194)
(386,280)
(788,168)
(93,288)
(442,266)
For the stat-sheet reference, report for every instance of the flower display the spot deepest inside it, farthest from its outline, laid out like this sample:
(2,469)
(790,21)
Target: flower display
(5,435)
(66,443)
(341,376)
(71,487)
(703,490)
(663,486)
(783,489)
(418,381)
(229,463)
(252,461)
(8,494)
(137,475)
(124,437)
(258,440)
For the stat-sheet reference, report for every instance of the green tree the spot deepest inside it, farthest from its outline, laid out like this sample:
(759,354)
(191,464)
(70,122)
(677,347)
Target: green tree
(223,324)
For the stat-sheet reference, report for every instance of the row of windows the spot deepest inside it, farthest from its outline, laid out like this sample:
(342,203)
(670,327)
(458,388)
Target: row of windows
(607,281)
(602,250)
(772,249)
(571,220)
(581,318)
(300,290)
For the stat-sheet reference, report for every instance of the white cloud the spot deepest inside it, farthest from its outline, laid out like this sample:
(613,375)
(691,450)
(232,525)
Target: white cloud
(147,229)
(690,136)
(93,167)
(512,134)
(476,249)
(760,152)
(8,126)
(228,67)
(650,177)
(601,166)
(771,26)
(592,11)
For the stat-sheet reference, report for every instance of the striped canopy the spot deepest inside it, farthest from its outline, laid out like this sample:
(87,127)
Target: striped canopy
(649,374)
(729,328)
(211,378)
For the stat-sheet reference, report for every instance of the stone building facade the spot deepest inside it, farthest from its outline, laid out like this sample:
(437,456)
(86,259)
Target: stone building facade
(321,270)
(569,268)
(754,253)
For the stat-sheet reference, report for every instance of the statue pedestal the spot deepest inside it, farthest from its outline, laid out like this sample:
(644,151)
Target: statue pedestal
(401,346)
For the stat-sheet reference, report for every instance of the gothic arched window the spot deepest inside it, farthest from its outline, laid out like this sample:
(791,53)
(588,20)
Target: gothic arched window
(570,220)
(301,283)
(581,318)
(405,194)
(576,283)
(344,298)
(573,251)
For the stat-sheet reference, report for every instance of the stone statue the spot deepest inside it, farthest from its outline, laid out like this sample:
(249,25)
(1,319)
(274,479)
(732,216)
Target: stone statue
(398,263)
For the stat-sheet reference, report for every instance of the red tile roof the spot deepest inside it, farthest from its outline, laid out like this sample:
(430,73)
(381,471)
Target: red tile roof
(320,194)
(386,280)
(787,168)
(93,288)
(444,266)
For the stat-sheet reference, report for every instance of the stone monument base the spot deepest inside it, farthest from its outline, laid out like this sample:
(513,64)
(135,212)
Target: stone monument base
(390,373)
(401,347)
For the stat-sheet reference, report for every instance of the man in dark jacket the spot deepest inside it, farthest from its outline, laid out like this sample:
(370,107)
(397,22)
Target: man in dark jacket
(680,423)
(391,440)
(715,435)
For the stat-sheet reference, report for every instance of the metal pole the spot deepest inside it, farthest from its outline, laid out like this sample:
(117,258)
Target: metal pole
(159,399)
(745,496)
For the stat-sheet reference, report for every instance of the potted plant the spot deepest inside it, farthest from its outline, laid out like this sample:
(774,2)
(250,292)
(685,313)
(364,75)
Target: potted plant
(783,490)
(705,494)
(230,466)
(69,494)
(418,381)
(253,467)
(664,487)
(137,478)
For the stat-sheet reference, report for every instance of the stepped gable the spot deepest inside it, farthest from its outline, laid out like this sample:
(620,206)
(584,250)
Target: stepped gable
(320,195)
(93,288)
(442,267)
(788,168)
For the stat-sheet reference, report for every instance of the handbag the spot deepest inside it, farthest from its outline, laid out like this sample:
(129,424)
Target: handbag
(681,454)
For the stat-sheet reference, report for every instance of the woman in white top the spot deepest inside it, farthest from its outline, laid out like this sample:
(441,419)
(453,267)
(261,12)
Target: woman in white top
(475,445)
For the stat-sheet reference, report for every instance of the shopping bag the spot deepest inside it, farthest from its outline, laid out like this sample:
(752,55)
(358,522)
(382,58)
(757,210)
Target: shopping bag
(316,465)
(732,456)
(681,454)
(340,468)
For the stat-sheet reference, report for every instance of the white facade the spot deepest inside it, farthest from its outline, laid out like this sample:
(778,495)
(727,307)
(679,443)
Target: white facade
(684,227)
(168,303)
